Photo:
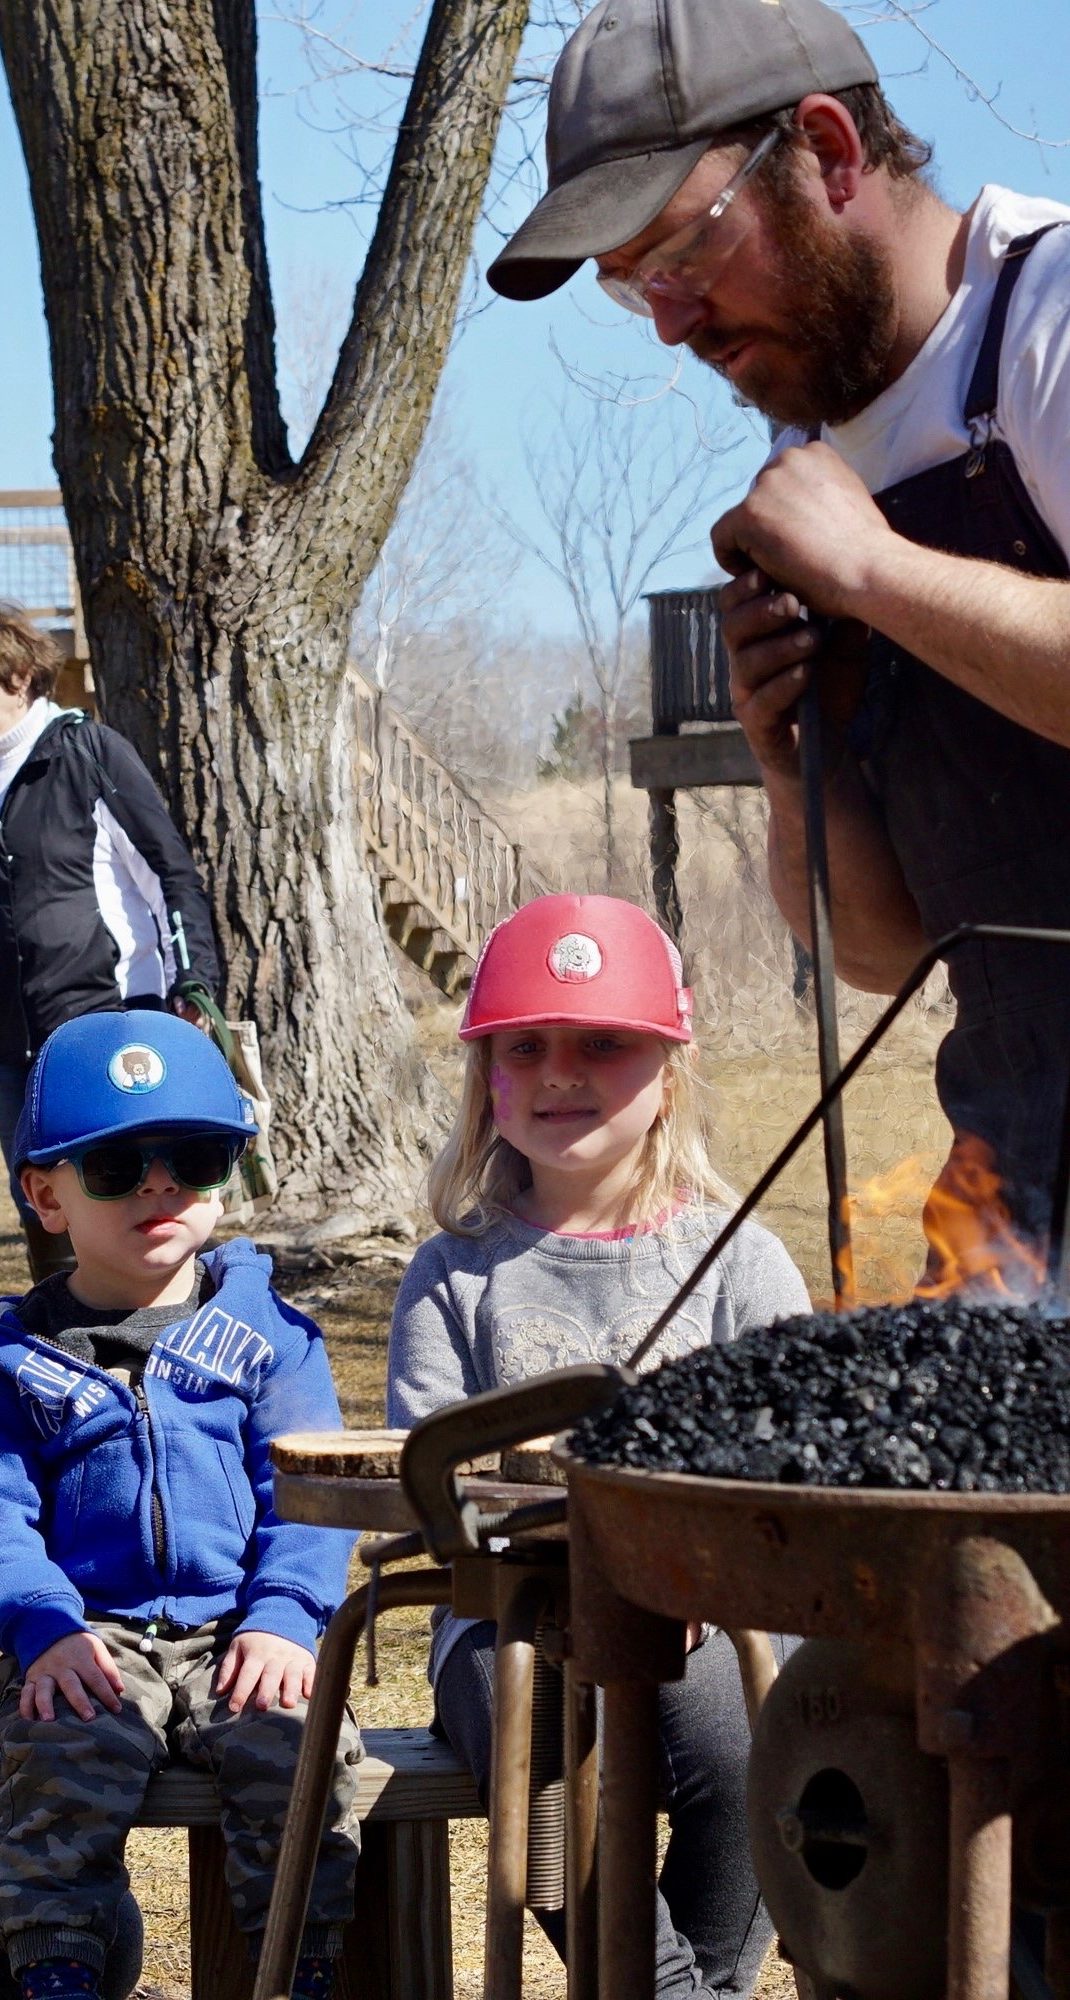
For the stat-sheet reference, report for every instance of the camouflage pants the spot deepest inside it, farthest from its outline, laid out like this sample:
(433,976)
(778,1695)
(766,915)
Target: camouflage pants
(70,1791)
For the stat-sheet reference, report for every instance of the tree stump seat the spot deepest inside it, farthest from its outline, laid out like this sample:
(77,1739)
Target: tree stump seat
(399,1944)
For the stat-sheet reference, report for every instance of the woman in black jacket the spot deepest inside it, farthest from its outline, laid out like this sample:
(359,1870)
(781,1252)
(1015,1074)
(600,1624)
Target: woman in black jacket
(101,905)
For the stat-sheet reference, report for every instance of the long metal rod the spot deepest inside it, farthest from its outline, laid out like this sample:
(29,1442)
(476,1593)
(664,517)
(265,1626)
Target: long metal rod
(299,1850)
(812,760)
(943,948)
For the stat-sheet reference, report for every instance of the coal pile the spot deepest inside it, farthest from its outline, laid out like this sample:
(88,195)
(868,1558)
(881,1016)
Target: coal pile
(952,1395)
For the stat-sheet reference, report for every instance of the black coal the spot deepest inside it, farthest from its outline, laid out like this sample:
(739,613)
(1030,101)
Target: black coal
(953,1395)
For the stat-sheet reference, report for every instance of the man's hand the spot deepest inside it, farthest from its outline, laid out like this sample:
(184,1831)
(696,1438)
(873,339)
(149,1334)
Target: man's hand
(78,1666)
(772,653)
(809,522)
(258,1664)
(769,650)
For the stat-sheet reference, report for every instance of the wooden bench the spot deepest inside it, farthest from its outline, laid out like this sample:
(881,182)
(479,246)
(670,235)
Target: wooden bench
(399,1944)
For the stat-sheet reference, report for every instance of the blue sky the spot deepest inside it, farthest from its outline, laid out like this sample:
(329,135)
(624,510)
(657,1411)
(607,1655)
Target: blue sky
(502,380)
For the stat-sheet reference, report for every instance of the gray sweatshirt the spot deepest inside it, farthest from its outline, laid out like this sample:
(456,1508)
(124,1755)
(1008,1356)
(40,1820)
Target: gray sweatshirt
(476,1313)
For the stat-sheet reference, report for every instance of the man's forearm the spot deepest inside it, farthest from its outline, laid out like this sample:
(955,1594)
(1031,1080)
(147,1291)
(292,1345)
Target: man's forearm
(1002,637)
(876,928)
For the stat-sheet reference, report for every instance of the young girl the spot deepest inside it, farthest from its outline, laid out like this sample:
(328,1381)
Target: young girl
(574,1194)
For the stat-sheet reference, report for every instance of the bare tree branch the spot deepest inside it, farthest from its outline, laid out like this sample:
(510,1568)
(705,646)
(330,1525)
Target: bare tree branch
(619,489)
(365,443)
(909,12)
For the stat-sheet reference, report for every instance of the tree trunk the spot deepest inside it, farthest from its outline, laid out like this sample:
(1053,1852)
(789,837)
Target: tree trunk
(218,579)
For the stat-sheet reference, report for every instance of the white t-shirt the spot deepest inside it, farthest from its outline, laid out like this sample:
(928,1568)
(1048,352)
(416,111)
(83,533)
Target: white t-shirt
(917,421)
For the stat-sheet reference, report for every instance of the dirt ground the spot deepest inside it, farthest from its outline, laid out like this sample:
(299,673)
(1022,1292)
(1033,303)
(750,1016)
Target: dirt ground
(758,1102)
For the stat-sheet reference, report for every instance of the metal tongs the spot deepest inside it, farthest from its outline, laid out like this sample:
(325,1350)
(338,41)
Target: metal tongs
(812,756)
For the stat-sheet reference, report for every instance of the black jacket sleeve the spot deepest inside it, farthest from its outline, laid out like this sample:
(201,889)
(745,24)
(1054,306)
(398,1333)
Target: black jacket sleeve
(129,794)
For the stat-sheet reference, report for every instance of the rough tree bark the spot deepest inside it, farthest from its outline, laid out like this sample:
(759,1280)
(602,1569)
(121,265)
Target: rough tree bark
(218,578)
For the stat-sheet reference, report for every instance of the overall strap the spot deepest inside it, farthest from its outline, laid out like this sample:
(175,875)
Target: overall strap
(983,391)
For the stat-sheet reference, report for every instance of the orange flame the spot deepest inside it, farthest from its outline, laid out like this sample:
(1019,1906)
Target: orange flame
(973,1243)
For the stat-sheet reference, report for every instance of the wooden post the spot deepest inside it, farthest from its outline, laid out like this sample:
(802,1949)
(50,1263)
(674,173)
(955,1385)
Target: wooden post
(664,856)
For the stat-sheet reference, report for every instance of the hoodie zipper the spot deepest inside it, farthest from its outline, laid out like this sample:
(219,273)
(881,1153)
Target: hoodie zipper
(159,1537)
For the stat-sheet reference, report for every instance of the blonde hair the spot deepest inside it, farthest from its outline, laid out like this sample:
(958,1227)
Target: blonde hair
(478,1171)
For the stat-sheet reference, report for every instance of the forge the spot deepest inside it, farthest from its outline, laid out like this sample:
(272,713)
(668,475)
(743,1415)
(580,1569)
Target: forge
(893,1485)
(918,1738)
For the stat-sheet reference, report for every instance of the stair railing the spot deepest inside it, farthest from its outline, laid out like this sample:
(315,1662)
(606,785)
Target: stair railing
(430,833)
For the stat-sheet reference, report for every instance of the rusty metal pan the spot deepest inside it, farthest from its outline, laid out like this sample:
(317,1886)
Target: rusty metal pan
(826,1561)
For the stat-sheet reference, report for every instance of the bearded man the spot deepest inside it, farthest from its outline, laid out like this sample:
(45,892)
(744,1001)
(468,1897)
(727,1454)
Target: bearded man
(736,173)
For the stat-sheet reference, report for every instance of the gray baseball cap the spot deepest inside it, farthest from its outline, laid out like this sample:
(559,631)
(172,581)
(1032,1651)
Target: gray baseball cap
(639,94)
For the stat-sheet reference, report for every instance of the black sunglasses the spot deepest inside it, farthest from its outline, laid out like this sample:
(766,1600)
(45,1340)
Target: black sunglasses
(200,1161)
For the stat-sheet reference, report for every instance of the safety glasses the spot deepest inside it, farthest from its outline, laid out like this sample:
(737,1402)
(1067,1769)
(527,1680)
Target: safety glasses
(199,1161)
(688,262)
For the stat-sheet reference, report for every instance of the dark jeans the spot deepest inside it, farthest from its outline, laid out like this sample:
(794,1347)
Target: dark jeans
(713,1931)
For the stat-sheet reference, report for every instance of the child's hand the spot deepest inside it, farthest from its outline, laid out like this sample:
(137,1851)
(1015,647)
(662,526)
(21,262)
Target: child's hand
(79,1665)
(259,1663)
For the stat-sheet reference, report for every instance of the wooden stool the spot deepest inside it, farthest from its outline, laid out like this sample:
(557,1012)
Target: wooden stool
(399,1944)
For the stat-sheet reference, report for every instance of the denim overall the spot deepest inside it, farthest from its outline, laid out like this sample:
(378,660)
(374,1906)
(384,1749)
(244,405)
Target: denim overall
(978,809)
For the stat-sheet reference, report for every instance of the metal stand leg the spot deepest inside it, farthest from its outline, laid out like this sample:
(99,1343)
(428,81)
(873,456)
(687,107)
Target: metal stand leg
(627,1861)
(312,1774)
(510,1779)
(979,1889)
(581,1838)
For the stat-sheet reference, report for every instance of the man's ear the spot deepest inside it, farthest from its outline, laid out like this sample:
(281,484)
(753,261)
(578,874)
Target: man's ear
(832,136)
(39,1188)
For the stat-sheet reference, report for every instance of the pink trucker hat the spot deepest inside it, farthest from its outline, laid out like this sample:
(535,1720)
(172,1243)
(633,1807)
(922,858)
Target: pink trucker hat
(579,959)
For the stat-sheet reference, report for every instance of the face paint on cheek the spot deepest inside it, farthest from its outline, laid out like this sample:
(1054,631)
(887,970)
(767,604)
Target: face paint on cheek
(501,1093)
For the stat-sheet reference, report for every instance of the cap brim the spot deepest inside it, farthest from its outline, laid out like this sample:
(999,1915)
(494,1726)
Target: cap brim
(50,1156)
(588,215)
(568,1018)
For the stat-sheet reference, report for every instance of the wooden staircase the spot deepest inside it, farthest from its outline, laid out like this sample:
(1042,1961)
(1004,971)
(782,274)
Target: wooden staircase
(447,871)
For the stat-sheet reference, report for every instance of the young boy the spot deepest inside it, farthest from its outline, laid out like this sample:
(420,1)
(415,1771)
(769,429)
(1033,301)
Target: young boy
(150,1599)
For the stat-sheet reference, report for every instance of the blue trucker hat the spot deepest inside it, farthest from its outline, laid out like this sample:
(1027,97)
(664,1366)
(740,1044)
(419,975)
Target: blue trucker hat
(104,1075)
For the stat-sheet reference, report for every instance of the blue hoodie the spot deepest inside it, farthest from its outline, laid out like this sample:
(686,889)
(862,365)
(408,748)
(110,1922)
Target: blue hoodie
(158,1505)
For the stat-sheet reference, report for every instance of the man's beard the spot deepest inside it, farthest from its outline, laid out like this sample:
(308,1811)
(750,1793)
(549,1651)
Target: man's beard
(838,290)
